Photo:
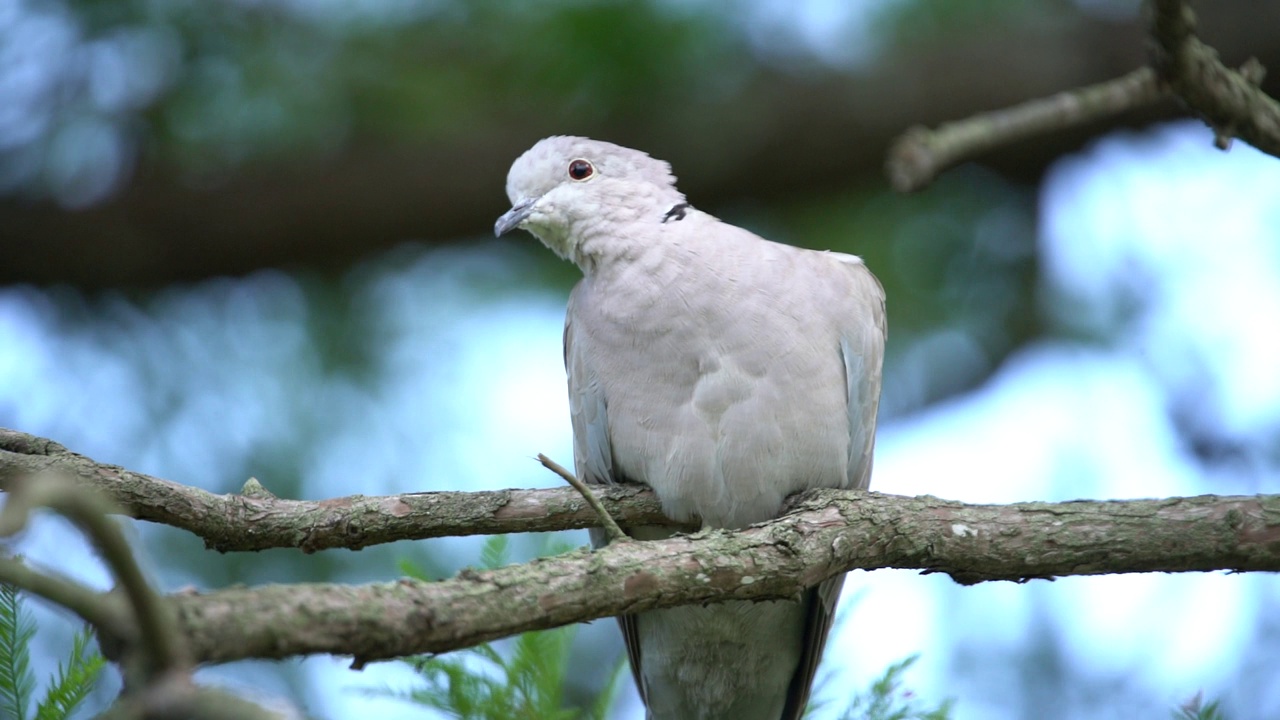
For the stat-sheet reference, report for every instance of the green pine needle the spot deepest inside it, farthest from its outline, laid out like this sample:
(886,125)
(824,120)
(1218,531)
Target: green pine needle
(16,630)
(481,683)
(494,553)
(73,681)
(411,569)
(524,682)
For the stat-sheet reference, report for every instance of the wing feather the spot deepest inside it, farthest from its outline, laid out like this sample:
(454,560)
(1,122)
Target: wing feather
(821,611)
(593,452)
(862,340)
(588,411)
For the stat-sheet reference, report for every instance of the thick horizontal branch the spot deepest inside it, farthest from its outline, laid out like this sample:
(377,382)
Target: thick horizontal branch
(258,521)
(829,532)
(825,533)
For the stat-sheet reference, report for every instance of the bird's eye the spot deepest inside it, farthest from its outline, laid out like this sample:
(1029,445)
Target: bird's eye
(580,170)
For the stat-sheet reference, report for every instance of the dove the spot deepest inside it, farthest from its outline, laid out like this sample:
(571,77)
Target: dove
(722,370)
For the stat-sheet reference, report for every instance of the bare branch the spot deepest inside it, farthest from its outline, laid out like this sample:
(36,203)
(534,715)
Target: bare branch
(158,640)
(108,617)
(826,533)
(829,533)
(920,155)
(257,520)
(157,671)
(1228,100)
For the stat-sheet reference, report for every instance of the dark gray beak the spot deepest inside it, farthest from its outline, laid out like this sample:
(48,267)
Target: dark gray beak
(512,218)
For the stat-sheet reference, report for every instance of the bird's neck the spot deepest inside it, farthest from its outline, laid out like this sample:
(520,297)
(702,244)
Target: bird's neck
(618,235)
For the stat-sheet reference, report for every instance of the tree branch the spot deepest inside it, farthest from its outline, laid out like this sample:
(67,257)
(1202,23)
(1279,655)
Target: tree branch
(823,534)
(828,533)
(1230,101)
(156,667)
(176,696)
(161,651)
(919,155)
(109,618)
(258,521)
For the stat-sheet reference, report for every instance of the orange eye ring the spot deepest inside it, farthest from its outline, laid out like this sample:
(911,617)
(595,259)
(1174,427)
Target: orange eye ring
(580,169)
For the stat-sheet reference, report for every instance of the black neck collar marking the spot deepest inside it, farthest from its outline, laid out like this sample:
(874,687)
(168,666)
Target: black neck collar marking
(676,212)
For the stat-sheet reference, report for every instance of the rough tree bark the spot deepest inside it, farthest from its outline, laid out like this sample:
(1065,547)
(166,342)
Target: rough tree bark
(824,533)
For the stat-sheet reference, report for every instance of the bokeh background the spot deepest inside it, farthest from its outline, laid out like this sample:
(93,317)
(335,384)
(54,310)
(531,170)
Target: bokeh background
(253,238)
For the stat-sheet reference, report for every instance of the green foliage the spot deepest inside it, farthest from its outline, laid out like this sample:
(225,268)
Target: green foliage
(69,687)
(887,699)
(73,681)
(482,683)
(411,569)
(224,74)
(496,552)
(1197,709)
(16,630)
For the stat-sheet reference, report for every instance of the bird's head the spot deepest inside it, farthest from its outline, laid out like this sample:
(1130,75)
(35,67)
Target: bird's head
(565,189)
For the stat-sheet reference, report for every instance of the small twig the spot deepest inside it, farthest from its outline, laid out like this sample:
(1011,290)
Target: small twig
(161,646)
(920,155)
(611,528)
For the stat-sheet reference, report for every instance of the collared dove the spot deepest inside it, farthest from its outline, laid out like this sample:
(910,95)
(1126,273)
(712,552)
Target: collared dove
(722,370)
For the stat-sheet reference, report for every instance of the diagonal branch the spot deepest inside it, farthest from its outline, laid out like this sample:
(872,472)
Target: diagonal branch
(108,618)
(157,677)
(161,651)
(1230,101)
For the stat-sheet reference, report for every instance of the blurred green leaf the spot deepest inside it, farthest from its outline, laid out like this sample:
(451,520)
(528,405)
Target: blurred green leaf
(1196,708)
